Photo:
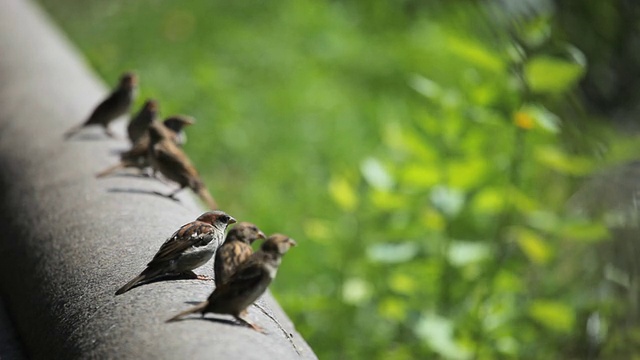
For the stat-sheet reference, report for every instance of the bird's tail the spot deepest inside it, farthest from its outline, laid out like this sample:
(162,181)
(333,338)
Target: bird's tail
(198,308)
(135,281)
(205,195)
(111,169)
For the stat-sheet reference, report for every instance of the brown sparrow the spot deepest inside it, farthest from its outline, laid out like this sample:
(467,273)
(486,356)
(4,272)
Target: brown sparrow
(169,159)
(235,250)
(115,105)
(247,284)
(138,125)
(176,123)
(137,156)
(188,248)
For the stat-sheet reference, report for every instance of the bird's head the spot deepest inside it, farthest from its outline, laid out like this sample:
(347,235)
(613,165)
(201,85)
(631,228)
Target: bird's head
(278,243)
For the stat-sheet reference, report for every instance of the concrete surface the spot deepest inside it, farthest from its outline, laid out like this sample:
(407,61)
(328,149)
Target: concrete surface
(69,240)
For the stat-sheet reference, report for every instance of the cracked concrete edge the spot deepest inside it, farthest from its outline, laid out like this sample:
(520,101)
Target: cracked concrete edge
(68,240)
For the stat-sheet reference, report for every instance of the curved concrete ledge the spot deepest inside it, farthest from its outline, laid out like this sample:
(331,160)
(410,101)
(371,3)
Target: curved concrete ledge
(69,241)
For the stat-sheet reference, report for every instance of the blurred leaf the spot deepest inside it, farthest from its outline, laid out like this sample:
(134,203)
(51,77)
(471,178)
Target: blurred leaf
(552,75)
(447,200)
(356,291)
(557,160)
(584,230)
(426,87)
(489,200)
(554,315)
(462,253)
(317,229)
(533,246)
(385,200)
(420,176)
(467,173)
(393,308)
(543,220)
(392,252)
(375,174)
(476,53)
(433,220)
(437,332)
(531,116)
(343,193)
(403,284)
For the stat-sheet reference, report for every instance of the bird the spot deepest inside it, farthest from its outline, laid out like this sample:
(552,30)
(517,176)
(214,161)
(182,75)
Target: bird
(140,122)
(176,123)
(235,250)
(188,248)
(137,155)
(247,284)
(168,158)
(118,103)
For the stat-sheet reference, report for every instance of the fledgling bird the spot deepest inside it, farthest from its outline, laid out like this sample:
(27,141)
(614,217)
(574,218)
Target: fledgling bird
(235,250)
(138,125)
(168,158)
(136,157)
(188,248)
(118,103)
(247,284)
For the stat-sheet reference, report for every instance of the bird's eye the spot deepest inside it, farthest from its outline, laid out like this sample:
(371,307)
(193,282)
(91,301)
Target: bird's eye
(224,218)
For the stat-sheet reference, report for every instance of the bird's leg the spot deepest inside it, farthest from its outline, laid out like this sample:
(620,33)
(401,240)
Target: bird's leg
(191,275)
(109,132)
(246,322)
(173,194)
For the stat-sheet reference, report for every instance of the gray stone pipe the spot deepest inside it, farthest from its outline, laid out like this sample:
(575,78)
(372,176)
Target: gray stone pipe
(68,240)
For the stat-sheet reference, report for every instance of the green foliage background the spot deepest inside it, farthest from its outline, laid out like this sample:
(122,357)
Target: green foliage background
(422,155)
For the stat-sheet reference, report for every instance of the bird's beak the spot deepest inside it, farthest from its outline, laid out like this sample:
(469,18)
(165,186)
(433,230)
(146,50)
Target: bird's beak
(261,235)
(292,242)
(232,220)
(189,121)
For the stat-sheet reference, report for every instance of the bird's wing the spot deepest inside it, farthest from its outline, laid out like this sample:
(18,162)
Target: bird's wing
(173,157)
(196,234)
(250,277)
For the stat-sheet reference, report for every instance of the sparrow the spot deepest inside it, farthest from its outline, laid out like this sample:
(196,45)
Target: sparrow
(235,250)
(137,155)
(138,125)
(115,105)
(176,123)
(247,284)
(188,248)
(168,158)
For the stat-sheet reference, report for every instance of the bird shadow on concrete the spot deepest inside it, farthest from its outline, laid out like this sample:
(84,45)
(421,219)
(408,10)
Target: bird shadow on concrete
(143,192)
(169,277)
(89,137)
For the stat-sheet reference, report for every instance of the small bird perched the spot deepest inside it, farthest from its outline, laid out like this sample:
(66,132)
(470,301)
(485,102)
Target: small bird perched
(247,284)
(188,248)
(137,155)
(169,159)
(235,250)
(176,123)
(138,125)
(118,103)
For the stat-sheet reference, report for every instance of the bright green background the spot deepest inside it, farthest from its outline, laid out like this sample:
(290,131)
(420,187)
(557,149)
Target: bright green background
(422,155)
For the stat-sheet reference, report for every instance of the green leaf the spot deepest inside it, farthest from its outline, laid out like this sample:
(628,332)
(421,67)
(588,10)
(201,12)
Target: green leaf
(584,230)
(466,252)
(392,252)
(547,74)
(559,161)
(533,245)
(437,332)
(554,315)
(343,193)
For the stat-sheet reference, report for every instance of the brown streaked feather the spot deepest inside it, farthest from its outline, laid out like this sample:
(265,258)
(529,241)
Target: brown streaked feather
(178,242)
